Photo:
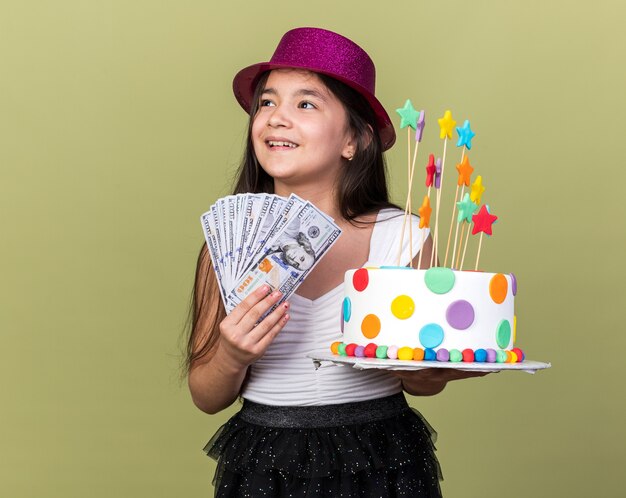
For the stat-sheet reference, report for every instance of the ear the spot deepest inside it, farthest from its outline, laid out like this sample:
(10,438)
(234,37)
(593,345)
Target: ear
(355,142)
(348,153)
(350,147)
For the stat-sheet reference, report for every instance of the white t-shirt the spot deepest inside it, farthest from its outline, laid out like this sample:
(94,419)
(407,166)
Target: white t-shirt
(285,376)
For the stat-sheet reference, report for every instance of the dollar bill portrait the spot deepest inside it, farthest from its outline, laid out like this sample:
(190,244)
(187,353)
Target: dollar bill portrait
(294,247)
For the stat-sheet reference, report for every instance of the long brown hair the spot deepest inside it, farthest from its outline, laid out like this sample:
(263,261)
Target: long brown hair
(361,189)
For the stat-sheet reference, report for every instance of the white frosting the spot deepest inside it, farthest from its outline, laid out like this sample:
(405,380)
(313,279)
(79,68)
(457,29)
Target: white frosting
(430,308)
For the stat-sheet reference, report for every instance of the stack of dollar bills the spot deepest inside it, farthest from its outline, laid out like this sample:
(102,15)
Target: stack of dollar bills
(256,239)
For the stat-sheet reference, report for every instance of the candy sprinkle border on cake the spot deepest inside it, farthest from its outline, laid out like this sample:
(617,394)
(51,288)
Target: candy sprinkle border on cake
(372,350)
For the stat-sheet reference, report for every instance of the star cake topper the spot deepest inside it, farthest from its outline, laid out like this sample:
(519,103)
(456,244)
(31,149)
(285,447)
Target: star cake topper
(465,172)
(466,209)
(430,170)
(408,115)
(465,135)
(477,189)
(483,220)
(446,125)
(424,213)
(421,123)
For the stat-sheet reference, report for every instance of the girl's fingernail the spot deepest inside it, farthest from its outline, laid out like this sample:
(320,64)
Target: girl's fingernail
(265,288)
(276,294)
(286,306)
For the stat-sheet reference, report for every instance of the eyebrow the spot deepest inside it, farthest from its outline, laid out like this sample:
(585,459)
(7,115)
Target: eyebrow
(303,92)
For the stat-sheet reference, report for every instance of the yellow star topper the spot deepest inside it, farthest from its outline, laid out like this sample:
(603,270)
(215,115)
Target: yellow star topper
(477,190)
(446,125)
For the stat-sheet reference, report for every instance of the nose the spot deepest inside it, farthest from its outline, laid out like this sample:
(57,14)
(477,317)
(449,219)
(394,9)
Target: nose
(279,117)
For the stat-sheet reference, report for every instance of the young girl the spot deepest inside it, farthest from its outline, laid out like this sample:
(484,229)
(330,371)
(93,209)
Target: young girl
(316,129)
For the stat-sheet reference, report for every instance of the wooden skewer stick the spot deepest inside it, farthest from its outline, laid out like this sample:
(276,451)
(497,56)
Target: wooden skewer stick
(409,212)
(465,248)
(456,232)
(419,261)
(456,194)
(434,235)
(408,197)
(480,243)
(404,220)
(408,206)
(434,251)
(433,254)
(445,261)
(458,256)
(443,169)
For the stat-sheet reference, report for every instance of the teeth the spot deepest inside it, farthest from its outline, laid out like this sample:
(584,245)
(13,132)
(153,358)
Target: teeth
(281,144)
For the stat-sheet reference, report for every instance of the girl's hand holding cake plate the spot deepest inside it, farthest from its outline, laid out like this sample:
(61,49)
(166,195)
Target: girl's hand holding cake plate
(430,381)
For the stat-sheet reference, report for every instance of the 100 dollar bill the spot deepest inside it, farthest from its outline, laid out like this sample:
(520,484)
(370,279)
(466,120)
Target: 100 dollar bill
(292,251)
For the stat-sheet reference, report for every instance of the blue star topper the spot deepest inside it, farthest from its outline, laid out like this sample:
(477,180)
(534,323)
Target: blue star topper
(465,135)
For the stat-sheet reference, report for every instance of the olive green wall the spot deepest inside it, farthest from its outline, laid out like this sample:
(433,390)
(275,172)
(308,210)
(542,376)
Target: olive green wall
(118,129)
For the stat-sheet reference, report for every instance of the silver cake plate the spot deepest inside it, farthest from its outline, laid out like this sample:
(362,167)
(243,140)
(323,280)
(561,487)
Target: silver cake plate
(367,363)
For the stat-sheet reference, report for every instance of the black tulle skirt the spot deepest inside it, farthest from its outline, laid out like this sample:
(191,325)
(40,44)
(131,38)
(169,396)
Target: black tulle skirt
(374,448)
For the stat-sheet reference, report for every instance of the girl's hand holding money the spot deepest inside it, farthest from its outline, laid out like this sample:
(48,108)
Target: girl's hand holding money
(243,340)
(215,382)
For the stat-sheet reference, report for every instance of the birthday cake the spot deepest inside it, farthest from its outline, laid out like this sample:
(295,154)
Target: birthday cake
(441,313)
(435,314)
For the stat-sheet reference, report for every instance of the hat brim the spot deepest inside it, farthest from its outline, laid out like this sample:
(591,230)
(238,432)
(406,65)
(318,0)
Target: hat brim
(245,82)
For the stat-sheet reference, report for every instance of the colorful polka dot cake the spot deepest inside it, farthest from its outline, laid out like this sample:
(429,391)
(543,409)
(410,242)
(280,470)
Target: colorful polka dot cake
(437,314)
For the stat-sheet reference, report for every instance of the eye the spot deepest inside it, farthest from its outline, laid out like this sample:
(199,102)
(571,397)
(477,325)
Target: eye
(307,105)
(266,103)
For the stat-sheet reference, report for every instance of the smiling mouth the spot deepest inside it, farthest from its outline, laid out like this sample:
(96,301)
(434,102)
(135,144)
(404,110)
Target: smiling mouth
(278,143)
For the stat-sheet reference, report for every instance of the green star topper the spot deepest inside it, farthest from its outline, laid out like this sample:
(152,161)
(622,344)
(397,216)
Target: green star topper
(408,115)
(466,209)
